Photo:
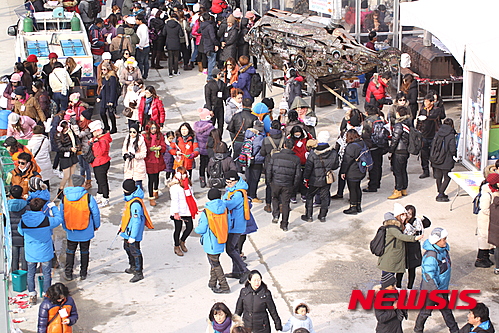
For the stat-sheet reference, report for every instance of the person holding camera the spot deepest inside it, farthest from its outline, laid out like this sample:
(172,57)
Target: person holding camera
(134,152)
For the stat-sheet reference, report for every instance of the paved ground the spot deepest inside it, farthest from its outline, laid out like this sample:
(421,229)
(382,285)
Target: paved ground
(317,262)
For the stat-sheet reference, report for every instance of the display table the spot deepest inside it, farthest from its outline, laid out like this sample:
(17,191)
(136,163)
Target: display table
(469,181)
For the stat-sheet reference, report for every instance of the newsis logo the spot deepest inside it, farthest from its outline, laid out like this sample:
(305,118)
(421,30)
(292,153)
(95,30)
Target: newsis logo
(412,299)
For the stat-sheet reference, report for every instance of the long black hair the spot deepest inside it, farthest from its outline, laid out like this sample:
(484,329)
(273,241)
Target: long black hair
(178,133)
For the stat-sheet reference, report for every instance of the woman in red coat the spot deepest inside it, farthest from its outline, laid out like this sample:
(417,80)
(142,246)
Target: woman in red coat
(300,137)
(184,148)
(151,108)
(101,144)
(156,147)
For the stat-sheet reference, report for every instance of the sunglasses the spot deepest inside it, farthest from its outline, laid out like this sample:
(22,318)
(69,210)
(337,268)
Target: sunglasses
(22,163)
(104,70)
(402,100)
(153,127)
(133,132)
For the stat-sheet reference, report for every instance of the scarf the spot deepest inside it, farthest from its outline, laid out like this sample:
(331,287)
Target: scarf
(189,198)
(72,137)
(300,317)
(223,327)
(148,108)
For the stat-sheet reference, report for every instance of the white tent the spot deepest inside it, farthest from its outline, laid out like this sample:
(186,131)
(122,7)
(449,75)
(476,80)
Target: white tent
(467,28)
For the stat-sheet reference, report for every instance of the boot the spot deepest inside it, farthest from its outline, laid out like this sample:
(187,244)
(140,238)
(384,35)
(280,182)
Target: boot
(212,283)
(137,277)
(55,262)
(60,193)
(158,59)
(178,251)
(85,258)
(130,270)
(395,195)
(268,208)
(359,208)
(112,117)
(482,260)
(156,194)
(404,192)
(152,201)
(351,211)
(68,269)
(88,184)
(200,66)
(222,281)
(202,181)
(183,247)
(153,59)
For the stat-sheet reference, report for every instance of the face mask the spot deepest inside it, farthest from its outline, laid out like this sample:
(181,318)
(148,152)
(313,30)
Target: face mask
(135,88)
(23,168)
(297,136)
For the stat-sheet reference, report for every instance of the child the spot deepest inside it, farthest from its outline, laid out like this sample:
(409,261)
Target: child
(58,311)
(38,189)
(17,207)
(170,136)
(299,319)
(213,227)
(221,319)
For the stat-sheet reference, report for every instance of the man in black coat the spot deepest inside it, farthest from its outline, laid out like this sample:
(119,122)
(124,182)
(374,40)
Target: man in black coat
(283,169)
(320,160)
(389,320)
(173,33)
(376,152)
(209,41)
(238,125)
(215,93)
(478,320)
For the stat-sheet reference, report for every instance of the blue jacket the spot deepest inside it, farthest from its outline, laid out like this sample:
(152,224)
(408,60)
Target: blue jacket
(208,239)
(43,313)
(42,194)
(135,227)
(38,245)
(75,194)
(257,145)
(244,81)
(259,109)
(237,223)
(4,119)
(431,271)
(17,207)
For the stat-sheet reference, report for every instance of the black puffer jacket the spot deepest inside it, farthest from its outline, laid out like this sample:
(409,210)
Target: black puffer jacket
(230,37)
(253,306)
(412,97)
(17,207)
(349,166)
(321,159)
(276,136)
(172,33)
(390,320)
(208,36)
(469,328)
(240,122)
(211,98)
(64,143)
(400,135)
(284,168)
(449,135)
(433,121)
(367,129)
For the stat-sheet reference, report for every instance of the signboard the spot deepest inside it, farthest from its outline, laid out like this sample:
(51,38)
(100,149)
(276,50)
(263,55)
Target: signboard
(321,6)
(474,115)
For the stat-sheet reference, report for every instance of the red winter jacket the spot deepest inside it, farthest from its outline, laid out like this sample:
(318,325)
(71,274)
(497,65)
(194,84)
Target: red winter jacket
(101,150)
(218,6)
(187,147)
(158,111)
(377,95)
(155,164)
(300,147)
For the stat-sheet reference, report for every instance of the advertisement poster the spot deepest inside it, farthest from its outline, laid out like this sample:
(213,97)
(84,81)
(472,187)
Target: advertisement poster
(474,115)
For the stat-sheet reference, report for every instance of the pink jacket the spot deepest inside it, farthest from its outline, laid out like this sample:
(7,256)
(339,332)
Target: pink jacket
(27,125)
(136,168)
(195,32)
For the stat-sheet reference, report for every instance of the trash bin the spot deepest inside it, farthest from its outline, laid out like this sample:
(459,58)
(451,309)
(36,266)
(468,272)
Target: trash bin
(19,280)
(40,284)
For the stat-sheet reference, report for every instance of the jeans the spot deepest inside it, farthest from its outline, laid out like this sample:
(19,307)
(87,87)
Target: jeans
(142,57)
(442,179)
(424,313)
(173,61)
(212,60)
(203,164)
(325,200)
(134,254)
(178,228)
(355,191)
(194,53)
(84,255)
(85,170)
(231,248)
(18,258)
(60,100)
(47,276)
(253,174)
(399,165)
(281,194)
(377,170)
(138,183)
(152,183)
(425,154)
(100,173)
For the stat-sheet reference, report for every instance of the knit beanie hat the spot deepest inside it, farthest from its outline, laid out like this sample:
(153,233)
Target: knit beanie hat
(269,102)
(214,193)
(284,106)
(493,178)
(15,78)
(398,209)
(78,180)
(323,137)
(437,234)
(95,125)
(16,192)
(231,19)
(21,91)
(388,279)
(136,127)
(237,13)
(87,114)
(204,114)
(120,30)
(231,175)
(129,186)
(36,184)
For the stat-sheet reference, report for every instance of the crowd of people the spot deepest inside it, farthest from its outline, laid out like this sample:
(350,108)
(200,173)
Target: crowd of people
(278,141)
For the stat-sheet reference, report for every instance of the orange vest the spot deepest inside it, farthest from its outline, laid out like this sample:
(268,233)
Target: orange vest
(77,213)
(219,225)
(247,212)
(125,219)
(56,325)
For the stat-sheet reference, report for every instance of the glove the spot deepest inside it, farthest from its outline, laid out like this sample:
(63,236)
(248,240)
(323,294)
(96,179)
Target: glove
(188,156)
(131,156)
(126,156)
(131,240)
(51,204)
(305,182)
(421,118)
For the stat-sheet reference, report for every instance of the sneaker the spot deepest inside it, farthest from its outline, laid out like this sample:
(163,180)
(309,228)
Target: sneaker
(293,200)
(317,204)
(32,300)
(307,218)
(303,199)
(424,175)
(68,277)
(98,198)
(178,74)
(496,271)
(58,173)
(137,277)
(205,72)
(336,197)
(275,220)
(170,76)
(322,219)
(104,203)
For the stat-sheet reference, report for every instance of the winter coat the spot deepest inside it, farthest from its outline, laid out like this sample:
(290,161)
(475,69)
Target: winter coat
(64,143)
(253,306)
(284,168)
(196,33)
(43,312)
(412,97)
(217,6)
(125,77)
(265,117)
(244,80)
(39,144)
(101,150)
(155,164)
(300,146)
(293,89)
(208,239)
(276,136)
(109,92)
(392,112)
(84,9)
(134,39)
(211,94)
(493,228)
(4,119)
(202,128)
(227,161)
(208,36)
(393,259)
(413,256)
(75,194)
(17,207)
(432,123)
(168,158)
(320,160)
(135,227)
(449,135)
(173,34)
(42,194)
(237,223)
(178,202)
(231,109)
(256,158)
(483,217)
(8,92)
(21,178)
(116,42)
(239,123)
(485,327)
(349,166)
(60,81)
(135,168)
(376,93)
(432,278)
(157,110)
(30,108)
(230,37)
(367,130)
(389,320)
(27,125)
(400,135)
(188,146)
(294,323)
(38,246)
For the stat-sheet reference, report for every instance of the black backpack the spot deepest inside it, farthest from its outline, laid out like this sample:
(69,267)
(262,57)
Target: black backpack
(438,152)
(365,159)
(216,173)
(379,134)
(377,245)
(415,141)
(94,8)
(256,85)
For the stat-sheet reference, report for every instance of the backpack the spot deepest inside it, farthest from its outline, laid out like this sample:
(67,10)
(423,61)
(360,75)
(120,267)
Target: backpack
(377,245)
(153,34)
(219,225)
(256,85)
(365,160)
(379,134)
(443,265)
(77,213)
(476,201)
(94,8)
(415,141)
(244,158)
(216,173)
(438,152)
(276,149)
(89,154)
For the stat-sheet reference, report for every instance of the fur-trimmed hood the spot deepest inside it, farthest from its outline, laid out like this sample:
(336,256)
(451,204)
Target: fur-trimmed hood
(319,150)
(401,119)
(394,222)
